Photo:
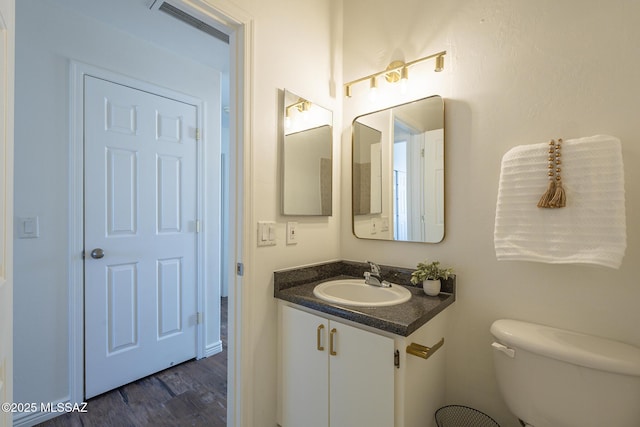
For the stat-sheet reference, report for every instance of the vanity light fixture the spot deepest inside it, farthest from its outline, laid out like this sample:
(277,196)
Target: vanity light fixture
(303,106)
(397,71)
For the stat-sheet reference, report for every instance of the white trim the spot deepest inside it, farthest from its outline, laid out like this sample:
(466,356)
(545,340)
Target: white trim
(213,349)
(7,97)
(202,269)
(78,71)
(76,236)
(28,419)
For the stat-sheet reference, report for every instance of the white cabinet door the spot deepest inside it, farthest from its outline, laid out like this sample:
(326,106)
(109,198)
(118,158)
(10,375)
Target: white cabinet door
(305,369)
(351,386)
(361,391)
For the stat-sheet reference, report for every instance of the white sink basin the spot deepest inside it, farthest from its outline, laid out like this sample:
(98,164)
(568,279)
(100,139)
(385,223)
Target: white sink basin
(356,292)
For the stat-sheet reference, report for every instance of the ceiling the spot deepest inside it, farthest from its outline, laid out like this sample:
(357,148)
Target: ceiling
(136,18)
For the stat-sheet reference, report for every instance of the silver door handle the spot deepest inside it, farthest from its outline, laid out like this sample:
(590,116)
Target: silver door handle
(97,253)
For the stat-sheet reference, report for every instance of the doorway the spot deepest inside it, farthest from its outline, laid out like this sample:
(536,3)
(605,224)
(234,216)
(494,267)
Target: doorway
(67,304)
(120,281)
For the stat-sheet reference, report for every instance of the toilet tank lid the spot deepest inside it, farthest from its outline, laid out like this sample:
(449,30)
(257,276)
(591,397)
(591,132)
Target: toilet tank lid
(569,346)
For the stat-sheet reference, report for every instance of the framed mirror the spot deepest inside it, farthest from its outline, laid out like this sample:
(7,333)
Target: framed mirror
(398,172)
(307,157)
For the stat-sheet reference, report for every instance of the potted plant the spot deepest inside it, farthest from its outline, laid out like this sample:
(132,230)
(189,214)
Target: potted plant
(429,274)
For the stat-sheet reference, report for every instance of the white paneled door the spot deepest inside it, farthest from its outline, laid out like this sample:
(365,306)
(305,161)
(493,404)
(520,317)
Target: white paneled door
(140,234)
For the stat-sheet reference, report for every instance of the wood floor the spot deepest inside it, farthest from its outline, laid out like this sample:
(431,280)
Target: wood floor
(191,394)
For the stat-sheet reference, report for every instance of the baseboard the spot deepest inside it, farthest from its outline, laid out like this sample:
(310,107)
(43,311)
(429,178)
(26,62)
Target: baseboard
(213,349)
(28,419)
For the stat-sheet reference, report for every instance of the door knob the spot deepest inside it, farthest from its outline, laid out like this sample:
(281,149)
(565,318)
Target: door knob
(97,253)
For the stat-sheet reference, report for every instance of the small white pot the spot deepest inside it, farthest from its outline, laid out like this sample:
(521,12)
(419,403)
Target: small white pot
(431,287)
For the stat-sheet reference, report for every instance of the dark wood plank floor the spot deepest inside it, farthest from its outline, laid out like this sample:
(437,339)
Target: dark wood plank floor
(193,393)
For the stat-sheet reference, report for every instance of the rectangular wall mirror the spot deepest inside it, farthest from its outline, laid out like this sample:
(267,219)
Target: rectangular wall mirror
(307,157)
(398,172)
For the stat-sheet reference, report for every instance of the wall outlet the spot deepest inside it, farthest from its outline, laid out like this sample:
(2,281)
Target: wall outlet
(292,233)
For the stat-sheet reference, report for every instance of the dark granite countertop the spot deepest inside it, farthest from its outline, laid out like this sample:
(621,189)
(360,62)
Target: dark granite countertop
(296,286)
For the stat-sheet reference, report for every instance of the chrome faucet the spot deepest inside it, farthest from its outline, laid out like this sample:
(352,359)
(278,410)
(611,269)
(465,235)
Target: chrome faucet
(373,277)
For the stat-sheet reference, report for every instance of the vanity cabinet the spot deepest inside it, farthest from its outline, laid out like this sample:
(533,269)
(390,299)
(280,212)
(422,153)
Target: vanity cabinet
(372,379)
(334,374)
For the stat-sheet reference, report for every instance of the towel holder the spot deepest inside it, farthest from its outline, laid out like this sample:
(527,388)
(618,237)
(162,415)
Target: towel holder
(424,351)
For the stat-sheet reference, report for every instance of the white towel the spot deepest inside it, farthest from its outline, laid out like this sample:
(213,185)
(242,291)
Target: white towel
(592,226)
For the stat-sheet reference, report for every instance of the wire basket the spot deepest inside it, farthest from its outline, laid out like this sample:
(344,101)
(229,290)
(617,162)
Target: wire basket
(463,416)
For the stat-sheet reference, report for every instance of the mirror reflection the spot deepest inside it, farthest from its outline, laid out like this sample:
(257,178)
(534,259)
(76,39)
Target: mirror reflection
(398,173)
(307,158)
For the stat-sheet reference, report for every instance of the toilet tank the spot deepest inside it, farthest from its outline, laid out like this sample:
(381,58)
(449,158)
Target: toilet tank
(551,377)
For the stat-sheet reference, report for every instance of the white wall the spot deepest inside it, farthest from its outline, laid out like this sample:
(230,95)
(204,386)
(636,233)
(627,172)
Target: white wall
(297,46)
(48,36)
(516,72)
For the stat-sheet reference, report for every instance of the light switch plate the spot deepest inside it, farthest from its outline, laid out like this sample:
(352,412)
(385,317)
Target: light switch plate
(28,227)
(384,223)
(266,233)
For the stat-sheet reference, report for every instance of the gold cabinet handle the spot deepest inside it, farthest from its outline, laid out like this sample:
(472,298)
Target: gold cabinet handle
(424,351)
(332,350)
(319,337)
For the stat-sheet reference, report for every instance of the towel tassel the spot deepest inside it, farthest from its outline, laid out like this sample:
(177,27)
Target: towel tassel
(555,196)
(548,195)
(559,199)
(545,200)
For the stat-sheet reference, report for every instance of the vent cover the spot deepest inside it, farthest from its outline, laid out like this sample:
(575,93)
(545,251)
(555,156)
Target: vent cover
(194,22)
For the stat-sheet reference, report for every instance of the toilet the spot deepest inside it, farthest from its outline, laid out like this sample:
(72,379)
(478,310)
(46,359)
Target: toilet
(551,377)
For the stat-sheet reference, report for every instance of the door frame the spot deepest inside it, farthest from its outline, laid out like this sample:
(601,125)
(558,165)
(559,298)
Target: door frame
(76,217)
(7,66)
(240,26)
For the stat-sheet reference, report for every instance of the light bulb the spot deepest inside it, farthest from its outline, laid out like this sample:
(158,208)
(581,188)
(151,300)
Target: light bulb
(373,89)
(404,80)
(306,106)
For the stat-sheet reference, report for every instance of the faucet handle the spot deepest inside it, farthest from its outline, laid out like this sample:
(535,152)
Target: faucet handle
(375,268)
(372,279)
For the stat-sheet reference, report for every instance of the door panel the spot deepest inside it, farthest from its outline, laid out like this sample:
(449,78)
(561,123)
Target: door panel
(122,330)
(169,173)
(169,292)
(140,204)
(121,192)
